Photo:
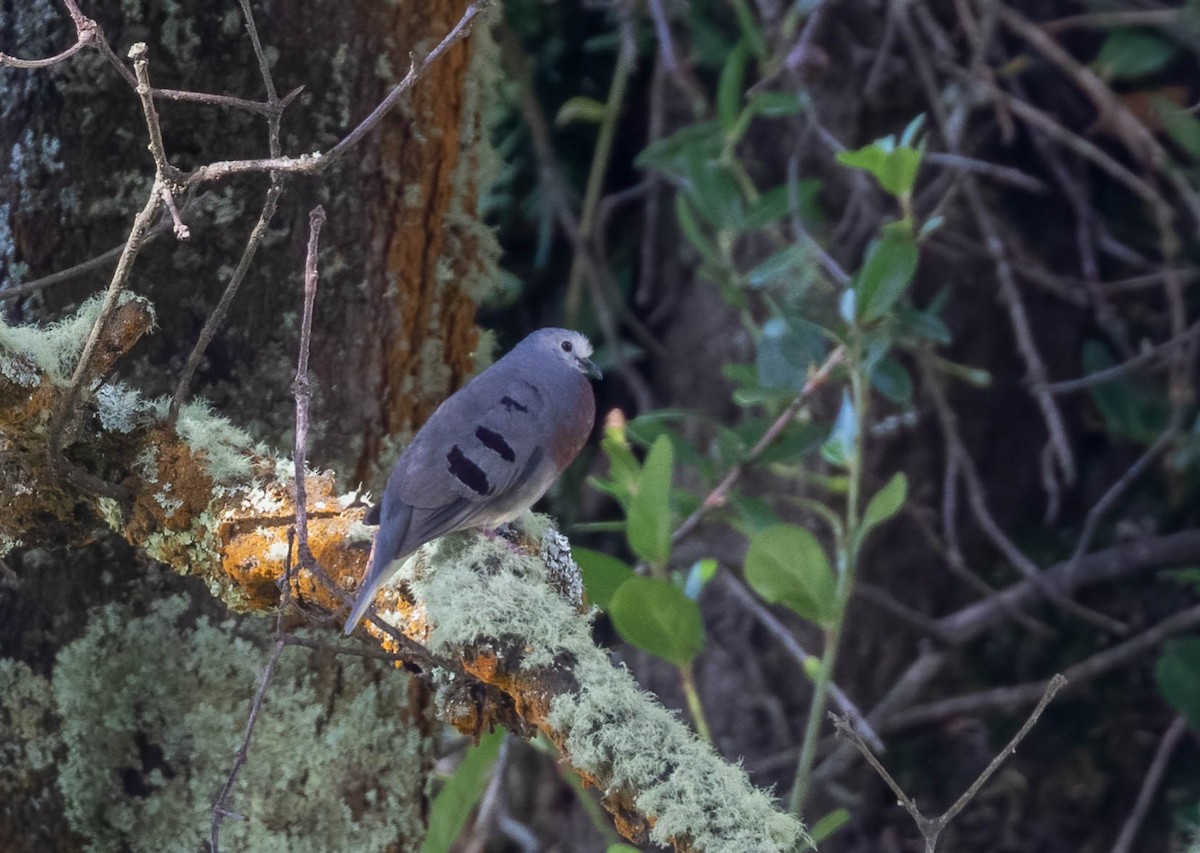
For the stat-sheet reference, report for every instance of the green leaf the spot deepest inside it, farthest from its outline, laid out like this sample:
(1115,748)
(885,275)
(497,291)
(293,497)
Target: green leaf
(770,206)
(649,525)
(785,351)
(785,564)
(603,574)
(698,576)
(828,825)
(691,229)
(886,273)
(658,618)
(621,848)
(784,265)
(453,804)
(778,104)
(891,380)
(838,448)
(922,325)
(1180,125)
(885,503)
(894,167)
(1127,54)
(750,29)
(623,468)
(645,429)
(1178,677)
(714,191)
(1130,409)
(795,441)
(731,87)
(666,154)
(580,109)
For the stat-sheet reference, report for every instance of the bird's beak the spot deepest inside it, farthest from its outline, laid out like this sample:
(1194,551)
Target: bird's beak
(589,367)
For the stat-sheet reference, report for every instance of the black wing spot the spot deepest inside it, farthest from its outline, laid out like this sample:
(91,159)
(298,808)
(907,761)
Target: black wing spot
(495,442)
(510,404)
(467,472)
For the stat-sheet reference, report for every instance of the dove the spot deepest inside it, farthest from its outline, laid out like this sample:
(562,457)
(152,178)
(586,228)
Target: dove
(487,453)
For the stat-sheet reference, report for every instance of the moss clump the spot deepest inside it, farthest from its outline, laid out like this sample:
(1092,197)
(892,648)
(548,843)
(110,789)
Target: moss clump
(150,737)
(477,590)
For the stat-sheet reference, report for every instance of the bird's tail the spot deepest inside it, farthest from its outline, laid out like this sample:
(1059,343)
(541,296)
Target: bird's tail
(384,552)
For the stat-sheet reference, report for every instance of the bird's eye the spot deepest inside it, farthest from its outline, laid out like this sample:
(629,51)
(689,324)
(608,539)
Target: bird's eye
(566,345)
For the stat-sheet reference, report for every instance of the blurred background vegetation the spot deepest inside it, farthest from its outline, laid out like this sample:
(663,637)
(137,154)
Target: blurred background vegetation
(896,304)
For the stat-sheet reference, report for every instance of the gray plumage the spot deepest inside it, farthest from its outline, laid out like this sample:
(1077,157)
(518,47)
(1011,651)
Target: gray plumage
(488,452)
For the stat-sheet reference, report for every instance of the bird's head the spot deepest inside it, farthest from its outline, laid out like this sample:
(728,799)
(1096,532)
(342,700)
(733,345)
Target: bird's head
(572,347)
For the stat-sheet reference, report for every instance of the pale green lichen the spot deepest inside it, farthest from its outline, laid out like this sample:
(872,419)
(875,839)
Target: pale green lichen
(121,408)
(30,746)
(478,591)
(110,513)
(224,449)
(333,765)
(9,543)
(53,347)
(29,737)
(478,167)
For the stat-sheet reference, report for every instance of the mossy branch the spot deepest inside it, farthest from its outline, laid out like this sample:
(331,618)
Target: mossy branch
(200,498)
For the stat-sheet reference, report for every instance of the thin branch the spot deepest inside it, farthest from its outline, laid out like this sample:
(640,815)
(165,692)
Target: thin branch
(1000,174)
(717,497)
(99,262)
(220,809)
(1056,684)
(68,403)
(300,386)
(1128,18)
(792,646)
(1154,776)
(977,499)
(1015,695)
(85,35)
(931,828)
(217,316)
(257,234)
(1143,359)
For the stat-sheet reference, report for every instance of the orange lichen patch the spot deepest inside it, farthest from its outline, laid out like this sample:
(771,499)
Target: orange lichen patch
(123,330)
(174,488)
(19,404)
(626,818)
(253,558)
(257,531)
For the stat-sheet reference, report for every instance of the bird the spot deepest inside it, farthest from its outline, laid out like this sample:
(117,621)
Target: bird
(487,453)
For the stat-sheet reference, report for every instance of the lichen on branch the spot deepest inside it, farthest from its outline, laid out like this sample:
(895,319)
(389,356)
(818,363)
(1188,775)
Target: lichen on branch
(502,615)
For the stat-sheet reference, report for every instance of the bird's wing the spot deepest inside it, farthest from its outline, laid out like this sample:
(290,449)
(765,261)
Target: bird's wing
(479,456)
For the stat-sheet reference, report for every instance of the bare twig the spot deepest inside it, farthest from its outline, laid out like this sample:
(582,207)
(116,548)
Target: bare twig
(792,646)
(1154,776)
(995,171)
(217,315)
(717,497)
(256,234)
(670,60)
(1014,696)
(978,501)
(1125,18)
(85,35)
(99,262)
(300,387)
(220,809)
(931,828)
(1145,359)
